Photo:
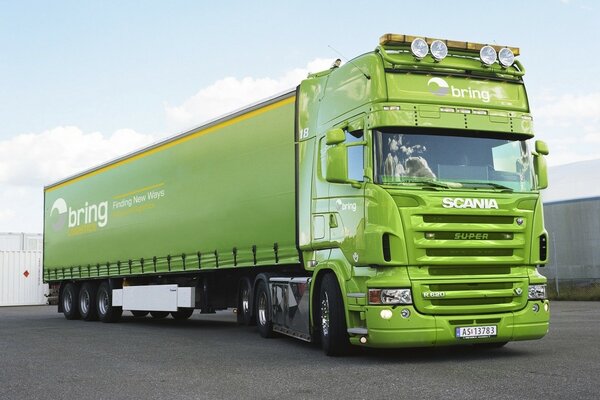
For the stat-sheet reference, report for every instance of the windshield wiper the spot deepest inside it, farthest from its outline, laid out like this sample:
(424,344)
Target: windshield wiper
(430,182)
(492,184)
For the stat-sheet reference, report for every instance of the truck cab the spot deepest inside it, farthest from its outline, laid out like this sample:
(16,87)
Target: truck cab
(419,197)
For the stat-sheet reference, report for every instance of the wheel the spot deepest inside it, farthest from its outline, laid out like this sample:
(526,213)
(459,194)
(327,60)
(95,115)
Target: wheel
(159,314)
(87,302)
(106,312)
(332,318)
(244,310)
(70,295)
(263,310)
(139,314)
(182,313)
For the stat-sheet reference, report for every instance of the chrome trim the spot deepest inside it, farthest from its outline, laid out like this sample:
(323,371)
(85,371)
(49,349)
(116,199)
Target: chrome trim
(358,331)
(356,295)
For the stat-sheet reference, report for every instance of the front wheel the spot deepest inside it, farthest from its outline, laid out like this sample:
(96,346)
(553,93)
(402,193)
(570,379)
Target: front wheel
(332,318)
(105,309)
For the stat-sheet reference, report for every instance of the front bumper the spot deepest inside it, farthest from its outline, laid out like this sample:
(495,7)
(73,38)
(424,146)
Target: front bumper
(418,330)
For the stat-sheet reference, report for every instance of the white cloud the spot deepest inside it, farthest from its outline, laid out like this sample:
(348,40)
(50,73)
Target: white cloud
(40,158)
(229,94)
(568,122)
(30,161)
(570,107)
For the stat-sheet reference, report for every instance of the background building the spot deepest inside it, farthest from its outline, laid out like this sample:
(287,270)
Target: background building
(572,217)
(21,269)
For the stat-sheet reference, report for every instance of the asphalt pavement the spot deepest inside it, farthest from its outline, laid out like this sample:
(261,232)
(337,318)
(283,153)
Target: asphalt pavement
(44,356)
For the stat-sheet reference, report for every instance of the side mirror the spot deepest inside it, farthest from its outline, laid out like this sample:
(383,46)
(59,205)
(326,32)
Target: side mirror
(337,164)
(539,164)
(335,136)
(541,147)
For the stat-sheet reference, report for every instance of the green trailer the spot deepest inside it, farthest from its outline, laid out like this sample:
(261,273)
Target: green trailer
(389,202)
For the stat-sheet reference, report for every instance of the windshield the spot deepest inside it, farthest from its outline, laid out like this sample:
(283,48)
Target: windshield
(494,161)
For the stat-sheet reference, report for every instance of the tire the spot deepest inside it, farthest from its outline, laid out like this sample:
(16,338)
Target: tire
(332,318)
(106,312)
(182,313)
(263,310)
(245,316)
(69,301)
(139,314)
(159,314)
(87,302)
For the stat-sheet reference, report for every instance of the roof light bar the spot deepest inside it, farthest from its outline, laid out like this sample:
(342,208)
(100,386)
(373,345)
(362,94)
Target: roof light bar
(392,39)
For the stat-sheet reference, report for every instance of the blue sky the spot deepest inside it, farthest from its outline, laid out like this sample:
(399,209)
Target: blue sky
(112,75)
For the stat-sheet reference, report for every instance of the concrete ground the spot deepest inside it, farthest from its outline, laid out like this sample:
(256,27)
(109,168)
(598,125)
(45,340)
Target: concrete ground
(44,356)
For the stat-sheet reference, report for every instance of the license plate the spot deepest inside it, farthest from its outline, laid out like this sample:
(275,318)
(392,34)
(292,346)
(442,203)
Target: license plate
(474,332)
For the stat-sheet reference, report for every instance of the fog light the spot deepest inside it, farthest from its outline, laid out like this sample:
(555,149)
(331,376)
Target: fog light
(363,339)
(386,314)
(536,307)
(405,313)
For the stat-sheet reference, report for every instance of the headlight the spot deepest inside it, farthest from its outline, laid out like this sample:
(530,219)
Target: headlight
(419,48)
(439,50)
(390,296)
(487,55)
(537,292)
(506,57)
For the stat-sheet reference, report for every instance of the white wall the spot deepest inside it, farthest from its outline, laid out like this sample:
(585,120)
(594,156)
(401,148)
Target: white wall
(15,287)
(21,241)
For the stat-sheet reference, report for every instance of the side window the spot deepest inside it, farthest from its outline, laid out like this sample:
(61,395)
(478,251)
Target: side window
(356,161)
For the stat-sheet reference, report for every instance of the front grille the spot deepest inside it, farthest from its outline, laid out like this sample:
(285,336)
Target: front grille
(468,261)
(473,296)
(467,238)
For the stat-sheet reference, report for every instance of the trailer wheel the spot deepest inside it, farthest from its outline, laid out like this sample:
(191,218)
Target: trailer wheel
(106,311)
(182,313)
(159,314)
(139,314)
(331,318)
(70,296)
(87,302)
(244,309)
(263,310)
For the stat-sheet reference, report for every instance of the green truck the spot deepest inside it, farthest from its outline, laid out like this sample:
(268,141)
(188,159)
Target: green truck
(392,201)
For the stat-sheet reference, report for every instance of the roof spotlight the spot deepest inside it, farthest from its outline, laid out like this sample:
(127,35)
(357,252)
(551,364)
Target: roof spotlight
(487,55)
(506,57)
(419,48)
(439,50)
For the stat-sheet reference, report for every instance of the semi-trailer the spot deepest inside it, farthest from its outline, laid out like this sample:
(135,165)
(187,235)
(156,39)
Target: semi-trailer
(393,201)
